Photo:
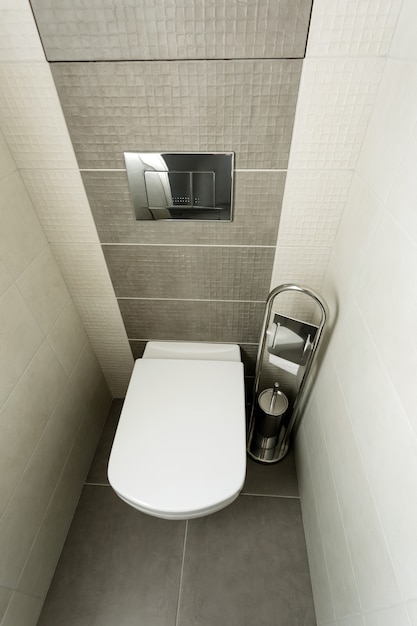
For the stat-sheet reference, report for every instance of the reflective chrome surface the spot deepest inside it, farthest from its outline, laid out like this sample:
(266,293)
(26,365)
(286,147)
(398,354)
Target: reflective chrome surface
(181,186)
(300,342)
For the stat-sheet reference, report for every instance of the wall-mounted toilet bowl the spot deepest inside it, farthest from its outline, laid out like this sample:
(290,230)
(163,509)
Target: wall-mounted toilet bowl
(180,446)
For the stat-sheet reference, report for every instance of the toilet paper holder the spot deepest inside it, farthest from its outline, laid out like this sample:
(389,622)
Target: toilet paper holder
(291,346)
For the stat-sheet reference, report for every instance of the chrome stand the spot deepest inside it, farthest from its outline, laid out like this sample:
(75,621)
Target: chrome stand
(292,344)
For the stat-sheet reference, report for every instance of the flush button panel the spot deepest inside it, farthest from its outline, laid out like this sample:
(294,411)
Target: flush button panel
(181,186)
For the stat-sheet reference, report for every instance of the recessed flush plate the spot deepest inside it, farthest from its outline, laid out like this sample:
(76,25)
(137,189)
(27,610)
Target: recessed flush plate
(181,186)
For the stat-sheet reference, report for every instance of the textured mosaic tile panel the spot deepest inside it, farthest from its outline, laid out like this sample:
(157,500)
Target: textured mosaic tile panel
(172,29)
(333,111)
(19,39)
(340,28)
(31,118)
(242,106)
(235,322)
(61,205)
(301,265)
(194,272)
(257,207)
(315,201)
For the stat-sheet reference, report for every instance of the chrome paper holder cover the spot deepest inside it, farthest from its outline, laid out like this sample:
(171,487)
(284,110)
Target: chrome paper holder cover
(296,352)
(181,186)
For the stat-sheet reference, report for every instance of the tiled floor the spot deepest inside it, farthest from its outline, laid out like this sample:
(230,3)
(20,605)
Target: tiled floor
(242,566)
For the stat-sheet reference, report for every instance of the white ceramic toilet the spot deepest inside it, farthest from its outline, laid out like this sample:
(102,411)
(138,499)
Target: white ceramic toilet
(180,446)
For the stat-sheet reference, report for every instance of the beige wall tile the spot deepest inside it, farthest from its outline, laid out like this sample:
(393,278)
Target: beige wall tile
(67,337)
(320,582)
(21,236)
(5,278)
(44,290)
(360,218)
(18,34)
(391,260)
(5,597)
(21,337)
(339,566)
(7,164)
(388,133)
(23,516)
(23,609)
(86,374)
(333,110)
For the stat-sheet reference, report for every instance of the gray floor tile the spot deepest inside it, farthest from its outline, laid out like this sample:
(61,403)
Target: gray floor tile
(98,469)
(272,479)
(118,567)
(246,565)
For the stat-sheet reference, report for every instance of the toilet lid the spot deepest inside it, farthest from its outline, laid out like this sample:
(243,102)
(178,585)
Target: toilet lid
(180,443)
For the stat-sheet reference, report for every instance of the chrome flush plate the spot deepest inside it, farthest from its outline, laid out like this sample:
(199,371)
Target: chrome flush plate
(181,186)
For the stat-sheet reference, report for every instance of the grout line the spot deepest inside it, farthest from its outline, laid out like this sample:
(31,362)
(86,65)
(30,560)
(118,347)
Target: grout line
(269,495)
(225,59)
(97,484)
(181,575)
(195,245)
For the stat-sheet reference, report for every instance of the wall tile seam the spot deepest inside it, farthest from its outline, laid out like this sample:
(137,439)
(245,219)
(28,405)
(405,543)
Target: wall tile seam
(413,432)
(339,510)
(189,300)
(49,504)
(368,482)
(340,620)
(15,593)
(34,260)
(180,584)
(6,176)
(268,495)
(306,448)
(50,343)
(40,436)
(370,335)
(71,377)
(3,297)
(383,64)
(346,57)
(397,168)
(179,60)
(187,245)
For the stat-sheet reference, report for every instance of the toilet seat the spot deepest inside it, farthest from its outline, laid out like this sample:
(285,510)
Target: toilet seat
(179,450)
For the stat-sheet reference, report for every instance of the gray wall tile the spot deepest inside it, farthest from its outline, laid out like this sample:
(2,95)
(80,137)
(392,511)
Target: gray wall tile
(191,272)
(172,29)
(244,106)
(137,348)
(257,209)
(234,322)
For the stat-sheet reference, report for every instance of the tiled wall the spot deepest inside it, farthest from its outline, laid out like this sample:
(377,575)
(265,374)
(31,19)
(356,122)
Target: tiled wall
(35,130)
(357,448)
(183,77)
(53,401)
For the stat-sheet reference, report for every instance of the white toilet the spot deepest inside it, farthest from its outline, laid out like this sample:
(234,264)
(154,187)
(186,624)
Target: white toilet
(180,446)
